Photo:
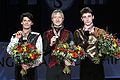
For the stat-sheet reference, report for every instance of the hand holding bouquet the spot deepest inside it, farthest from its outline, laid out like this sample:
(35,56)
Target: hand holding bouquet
(68,52)
(107,44)
(25,53)
(74,53)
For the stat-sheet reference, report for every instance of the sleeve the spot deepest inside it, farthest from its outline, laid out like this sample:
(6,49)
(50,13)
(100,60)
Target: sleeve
(102,31)
(98,32)
(12,43)
(39,46)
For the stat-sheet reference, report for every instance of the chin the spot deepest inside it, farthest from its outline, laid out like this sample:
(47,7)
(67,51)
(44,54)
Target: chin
(57,24)
(27,27)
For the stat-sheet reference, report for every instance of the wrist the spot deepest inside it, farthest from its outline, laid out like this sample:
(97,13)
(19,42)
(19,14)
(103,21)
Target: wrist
(51,44)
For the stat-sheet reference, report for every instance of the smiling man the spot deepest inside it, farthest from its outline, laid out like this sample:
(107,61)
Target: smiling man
(26,35)
(87,36)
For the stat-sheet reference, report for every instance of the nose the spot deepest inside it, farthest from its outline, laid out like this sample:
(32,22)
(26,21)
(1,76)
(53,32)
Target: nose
(26,22)
(57,20)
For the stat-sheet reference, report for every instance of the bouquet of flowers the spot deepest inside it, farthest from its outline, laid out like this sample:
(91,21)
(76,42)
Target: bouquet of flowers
(58,53)
(74,53)
(69,52)
(117,54)
(108,45)
(25,53)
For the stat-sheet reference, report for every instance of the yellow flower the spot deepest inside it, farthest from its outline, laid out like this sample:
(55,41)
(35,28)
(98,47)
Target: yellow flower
(115,45)
(30,55)
(25,49)
(15,51)
(78,52)
(65,46)
(71,54)
(79,48)
(58,51)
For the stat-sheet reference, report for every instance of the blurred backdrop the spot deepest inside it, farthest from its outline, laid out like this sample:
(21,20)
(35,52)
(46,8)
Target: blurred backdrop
(10,11)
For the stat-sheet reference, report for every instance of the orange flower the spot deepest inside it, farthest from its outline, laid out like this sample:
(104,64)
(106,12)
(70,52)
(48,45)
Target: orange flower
(33,57)
(75,55)
(30,46)
(20,49)
(25,53)
(71,51)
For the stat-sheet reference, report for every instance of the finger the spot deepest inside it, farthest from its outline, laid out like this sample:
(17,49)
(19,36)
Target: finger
(54,37)
(20,32)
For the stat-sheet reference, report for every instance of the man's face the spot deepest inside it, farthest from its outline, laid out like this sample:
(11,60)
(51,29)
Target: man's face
(87,18)
(26,22)
(57,19)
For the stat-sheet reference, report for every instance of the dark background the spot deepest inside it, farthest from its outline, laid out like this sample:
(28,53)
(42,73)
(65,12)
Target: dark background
(10,11)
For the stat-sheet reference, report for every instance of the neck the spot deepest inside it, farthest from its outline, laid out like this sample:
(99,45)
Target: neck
(88,27)
(57,26)
(57,31)
(26,32)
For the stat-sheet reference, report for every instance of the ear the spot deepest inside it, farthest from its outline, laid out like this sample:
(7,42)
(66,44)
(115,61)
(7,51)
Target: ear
(81,18)
(21,22)
(93,16)
(32,23)
(52,19)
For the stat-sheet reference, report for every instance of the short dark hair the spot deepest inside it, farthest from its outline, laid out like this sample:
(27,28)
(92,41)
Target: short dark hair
(27,14)
(86,10)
